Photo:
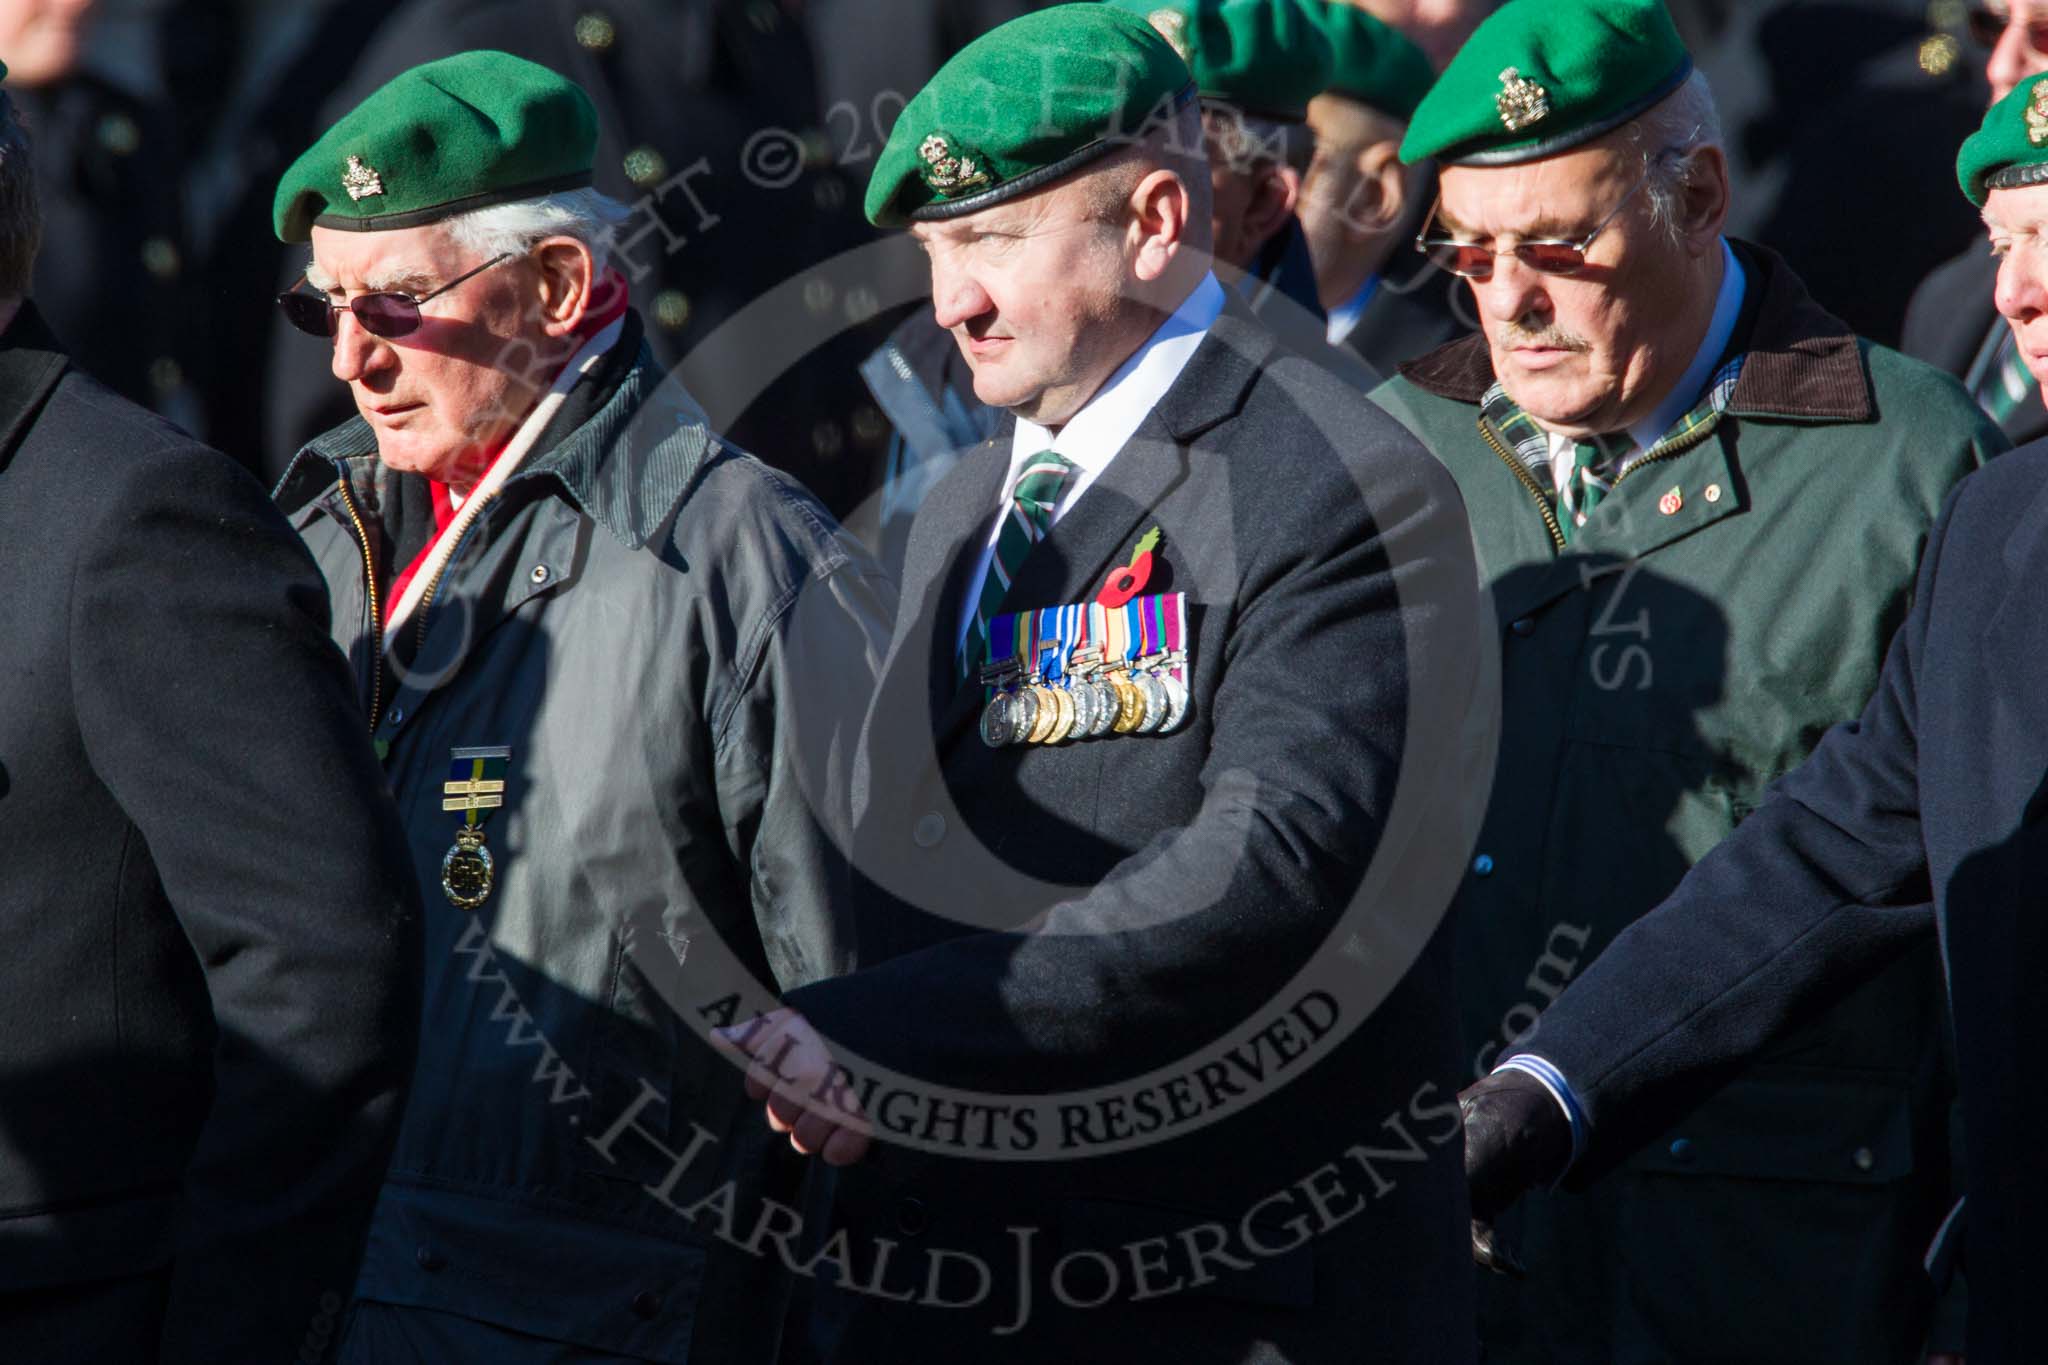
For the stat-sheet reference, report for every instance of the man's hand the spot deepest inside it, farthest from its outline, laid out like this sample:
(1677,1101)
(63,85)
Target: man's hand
(808,1095)
(1516,1137)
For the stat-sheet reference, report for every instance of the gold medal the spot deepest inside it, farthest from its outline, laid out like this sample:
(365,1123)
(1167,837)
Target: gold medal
(467,874)
(1130,704)
(1048,714)
(1063,716)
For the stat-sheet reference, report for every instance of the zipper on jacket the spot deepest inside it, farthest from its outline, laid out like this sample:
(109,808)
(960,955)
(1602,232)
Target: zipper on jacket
(1521,472)
(419,639)
(376,611)
(1678,447)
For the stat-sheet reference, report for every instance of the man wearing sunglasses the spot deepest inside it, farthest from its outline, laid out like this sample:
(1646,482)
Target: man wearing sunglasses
(1952,321)
(1699,501)
(614,667)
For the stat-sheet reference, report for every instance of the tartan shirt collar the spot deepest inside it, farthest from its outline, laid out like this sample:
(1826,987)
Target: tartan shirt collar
(1531,443)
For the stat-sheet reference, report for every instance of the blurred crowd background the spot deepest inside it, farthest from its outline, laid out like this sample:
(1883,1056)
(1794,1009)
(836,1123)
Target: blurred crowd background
(745,129)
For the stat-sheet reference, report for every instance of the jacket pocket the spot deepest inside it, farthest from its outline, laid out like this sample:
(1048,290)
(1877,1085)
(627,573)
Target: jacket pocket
(1778,1222)
(544,1274)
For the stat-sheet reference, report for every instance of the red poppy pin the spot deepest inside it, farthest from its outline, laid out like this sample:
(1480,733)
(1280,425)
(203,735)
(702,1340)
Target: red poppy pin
(1127,582)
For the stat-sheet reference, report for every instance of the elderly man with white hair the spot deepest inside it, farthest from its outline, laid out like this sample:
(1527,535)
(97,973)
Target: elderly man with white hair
(614,667)
(1699,501)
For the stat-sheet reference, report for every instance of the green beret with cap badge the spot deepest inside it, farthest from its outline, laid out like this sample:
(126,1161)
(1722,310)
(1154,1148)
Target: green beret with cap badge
(2010,149)
(452,135)
(1372,61)
(1027,103)
(1261,57)
(1540,77)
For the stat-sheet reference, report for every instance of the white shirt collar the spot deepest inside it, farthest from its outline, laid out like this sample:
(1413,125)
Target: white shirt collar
(1106,422)
(1693,383)
(1344,317)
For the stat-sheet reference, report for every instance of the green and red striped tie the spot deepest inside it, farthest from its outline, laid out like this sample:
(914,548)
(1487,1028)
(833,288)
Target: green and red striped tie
(1032,498)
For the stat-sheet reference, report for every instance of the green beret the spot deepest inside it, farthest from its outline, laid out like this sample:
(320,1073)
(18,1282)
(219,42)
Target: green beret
(1374,62)
(1021,106)
(474,129)
(1539,77)
(2010,150)
(1261,57)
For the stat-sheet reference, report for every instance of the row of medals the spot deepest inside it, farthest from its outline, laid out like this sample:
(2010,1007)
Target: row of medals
(1093,699)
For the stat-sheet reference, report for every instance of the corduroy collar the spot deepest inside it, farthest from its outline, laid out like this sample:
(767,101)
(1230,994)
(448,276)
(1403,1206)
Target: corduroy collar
(1803,363)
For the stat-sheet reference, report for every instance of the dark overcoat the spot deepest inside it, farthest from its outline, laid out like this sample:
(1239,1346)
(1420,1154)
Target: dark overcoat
(207,1002)
(1069,930)
(1919,822)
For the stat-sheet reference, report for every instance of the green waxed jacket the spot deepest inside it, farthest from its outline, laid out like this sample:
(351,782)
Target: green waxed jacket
(1727,602)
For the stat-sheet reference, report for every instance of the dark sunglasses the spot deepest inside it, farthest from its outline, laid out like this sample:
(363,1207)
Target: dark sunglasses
(1987,25)
(1550,256)
(385,314)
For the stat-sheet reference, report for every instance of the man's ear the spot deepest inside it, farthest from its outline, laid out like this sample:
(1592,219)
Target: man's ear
(1276,189)
(568,274)
(1380,191)
(1160,207)
(1703,201)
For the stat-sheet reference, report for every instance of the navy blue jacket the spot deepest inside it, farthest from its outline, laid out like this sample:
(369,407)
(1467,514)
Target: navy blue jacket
(1923,816)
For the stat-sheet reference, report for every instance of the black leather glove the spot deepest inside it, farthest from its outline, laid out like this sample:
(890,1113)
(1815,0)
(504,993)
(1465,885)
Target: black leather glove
(1516,1138)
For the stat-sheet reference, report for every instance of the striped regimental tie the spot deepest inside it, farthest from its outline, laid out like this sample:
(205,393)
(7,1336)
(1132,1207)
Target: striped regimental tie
(1583,488)
(1032,498)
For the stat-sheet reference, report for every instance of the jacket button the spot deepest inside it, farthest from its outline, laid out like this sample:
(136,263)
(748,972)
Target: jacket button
(930,828)
(646,1303)
(428,1258)
(910,1217)
(1482,866)
(539,574)
(1681,1151)
(1524,626)
(1865,1159)
(595,32)
(398,715)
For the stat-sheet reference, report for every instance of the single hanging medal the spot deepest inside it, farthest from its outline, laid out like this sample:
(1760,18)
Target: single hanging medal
(476,785)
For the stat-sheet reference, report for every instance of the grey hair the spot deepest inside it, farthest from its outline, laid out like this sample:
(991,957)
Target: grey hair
(591,218)
(21,217)
(1665,138)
